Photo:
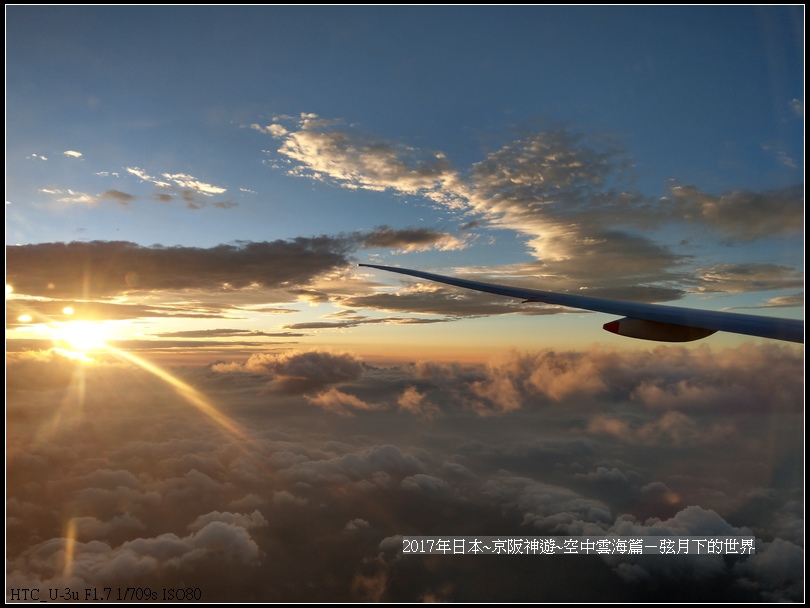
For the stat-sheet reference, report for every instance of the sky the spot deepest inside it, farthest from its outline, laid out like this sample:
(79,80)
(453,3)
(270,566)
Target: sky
(205,391)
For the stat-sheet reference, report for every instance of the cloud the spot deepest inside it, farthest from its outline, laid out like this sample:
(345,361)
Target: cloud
(356,524)
(338,402)
(72,153)
(672,428)
(186,186)
(520,379)
(360,161)
(777,570)
(550,510)
(553,187)
(283,497)
(661,379)
(40,370)
(83,198)
(297,372)
(742,215)
(43,310)
(105,268)
(748,277)
(121,198)
(411,400)
(571,197)
(72,197)
(112,465)
(253,520)
(411,239)
(96,562)
(378,466)
(361,320)
(429,298)
(795,299)
(692,521)
(797,105)
(275,129)
(224,333)
(143,175)
(190,182)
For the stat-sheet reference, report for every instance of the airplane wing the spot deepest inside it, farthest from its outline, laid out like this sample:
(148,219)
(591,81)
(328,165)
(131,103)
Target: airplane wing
(646,321)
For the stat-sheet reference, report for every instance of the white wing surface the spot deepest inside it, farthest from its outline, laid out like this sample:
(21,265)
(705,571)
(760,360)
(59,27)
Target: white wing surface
(646,321)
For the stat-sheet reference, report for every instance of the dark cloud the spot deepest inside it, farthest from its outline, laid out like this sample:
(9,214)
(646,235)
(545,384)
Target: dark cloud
(39,370)
(432,298)
(360,320)
(47,310)
(749,277)
(628,259)
(224,333)
(106,268)
(274,311)
(777,570)
(409,239)
(314,296)
(740,214)
(102,268)
(428,298)
(297,372)
(116,195)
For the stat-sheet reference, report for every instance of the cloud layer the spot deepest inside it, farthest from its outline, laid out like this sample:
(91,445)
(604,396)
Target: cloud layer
(302,470)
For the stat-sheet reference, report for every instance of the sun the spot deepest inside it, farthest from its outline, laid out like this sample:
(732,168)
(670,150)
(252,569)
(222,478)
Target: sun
(81,336)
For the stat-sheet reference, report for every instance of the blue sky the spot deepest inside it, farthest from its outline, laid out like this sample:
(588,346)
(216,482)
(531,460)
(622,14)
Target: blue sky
(194,186)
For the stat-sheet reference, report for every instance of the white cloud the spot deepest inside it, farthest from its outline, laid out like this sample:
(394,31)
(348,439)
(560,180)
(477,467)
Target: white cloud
(275,129)
(143,175)
(188,181)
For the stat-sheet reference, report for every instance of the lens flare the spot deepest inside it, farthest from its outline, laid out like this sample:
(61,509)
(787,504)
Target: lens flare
(80,336)
(70,548)
(189,393)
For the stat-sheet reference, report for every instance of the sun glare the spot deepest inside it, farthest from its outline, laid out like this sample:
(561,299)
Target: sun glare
(80,336)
